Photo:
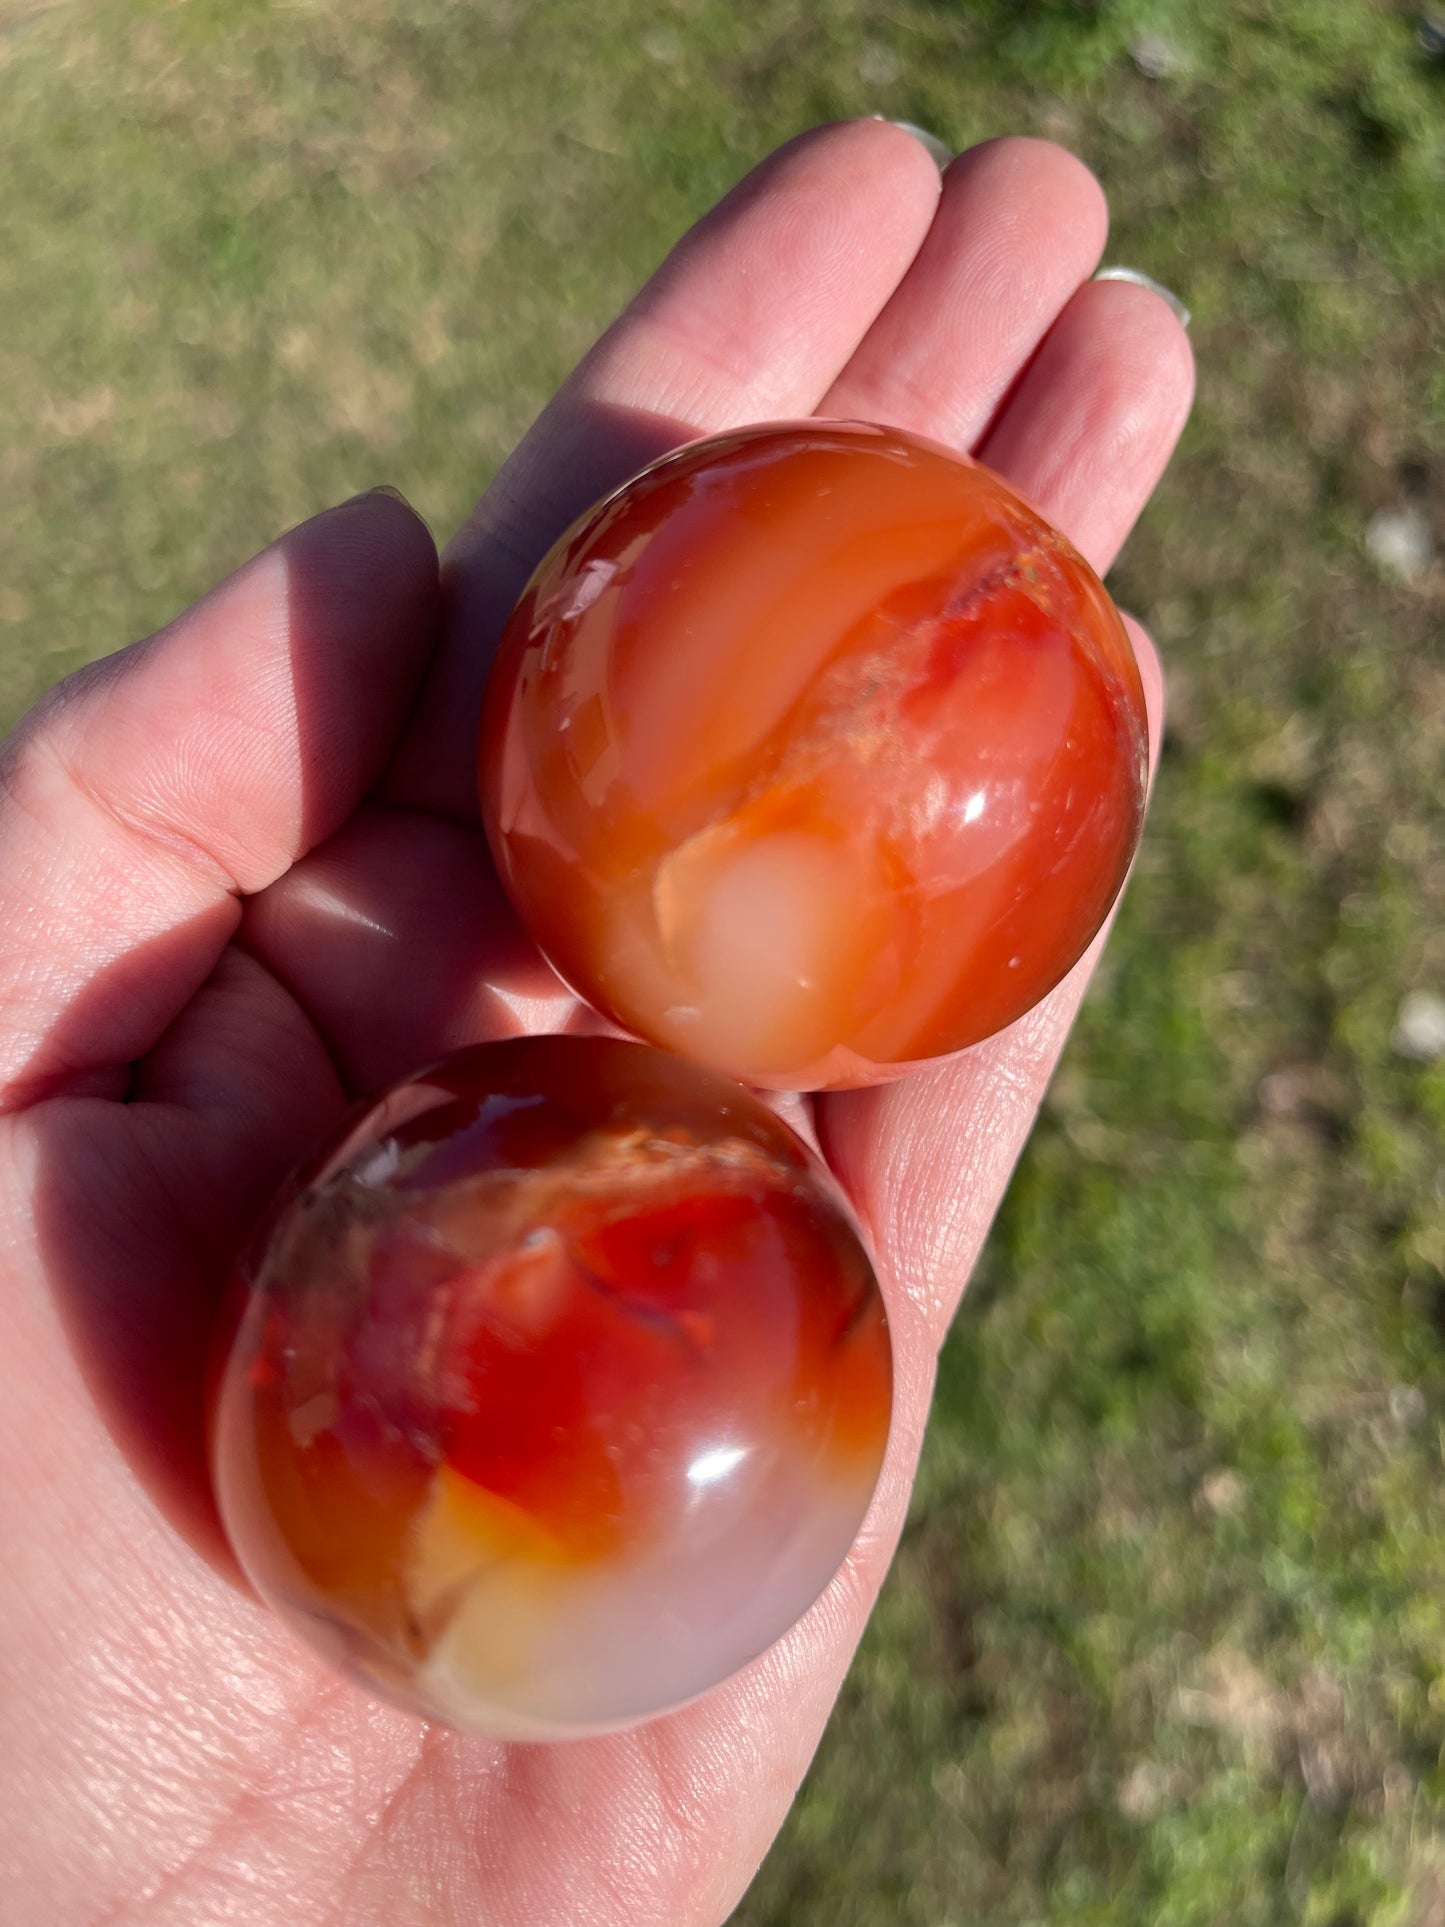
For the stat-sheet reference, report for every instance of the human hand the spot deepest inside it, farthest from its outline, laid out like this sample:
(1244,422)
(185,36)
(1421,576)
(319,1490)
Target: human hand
(243,880)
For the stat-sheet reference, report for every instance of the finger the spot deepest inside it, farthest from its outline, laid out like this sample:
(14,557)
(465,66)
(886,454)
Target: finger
(397,941)
(750,318)
(151,791)
(139,1209)
(1021,223)
(244,1062)
(1092,423)
(927,1160)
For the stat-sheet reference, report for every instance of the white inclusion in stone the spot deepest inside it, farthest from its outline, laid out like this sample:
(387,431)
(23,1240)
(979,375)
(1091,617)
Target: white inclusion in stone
(708,1467)
(541,1654)
(378,1165)
(400,1106)
(769,926)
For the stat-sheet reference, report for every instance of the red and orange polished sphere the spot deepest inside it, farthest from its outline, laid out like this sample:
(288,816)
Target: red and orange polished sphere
(813,754)
(559,1391)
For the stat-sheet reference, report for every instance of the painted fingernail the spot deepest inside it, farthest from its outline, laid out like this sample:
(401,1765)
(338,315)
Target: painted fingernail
(938,150)
(1140,280)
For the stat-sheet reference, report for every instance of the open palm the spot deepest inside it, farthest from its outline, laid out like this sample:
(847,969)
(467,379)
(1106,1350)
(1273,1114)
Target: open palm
(242,879)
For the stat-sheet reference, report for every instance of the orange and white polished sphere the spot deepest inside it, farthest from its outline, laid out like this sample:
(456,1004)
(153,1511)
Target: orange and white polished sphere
(557,1390)
(814,753)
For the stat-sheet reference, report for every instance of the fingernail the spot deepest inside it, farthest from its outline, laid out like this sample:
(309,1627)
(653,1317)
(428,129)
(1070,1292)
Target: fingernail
(940,153)
(1140,280)
(382,488)
(385,488)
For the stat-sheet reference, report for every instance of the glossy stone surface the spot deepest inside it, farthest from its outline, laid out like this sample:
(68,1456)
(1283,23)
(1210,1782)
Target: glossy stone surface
(558,1390)
(814,754)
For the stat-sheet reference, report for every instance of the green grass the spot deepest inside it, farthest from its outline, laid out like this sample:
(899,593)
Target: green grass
(1166,1640)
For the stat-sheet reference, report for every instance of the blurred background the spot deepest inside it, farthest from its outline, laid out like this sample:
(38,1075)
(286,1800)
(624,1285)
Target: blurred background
(1165,1642)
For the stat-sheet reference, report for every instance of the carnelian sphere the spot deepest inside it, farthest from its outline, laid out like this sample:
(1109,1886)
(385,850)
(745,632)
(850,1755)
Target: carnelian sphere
(558,1388)
(814,753)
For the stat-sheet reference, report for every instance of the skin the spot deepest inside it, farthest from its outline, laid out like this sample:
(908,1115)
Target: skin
(242,879)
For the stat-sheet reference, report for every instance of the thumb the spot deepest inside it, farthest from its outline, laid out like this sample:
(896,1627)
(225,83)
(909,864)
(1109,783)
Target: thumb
(148,793)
